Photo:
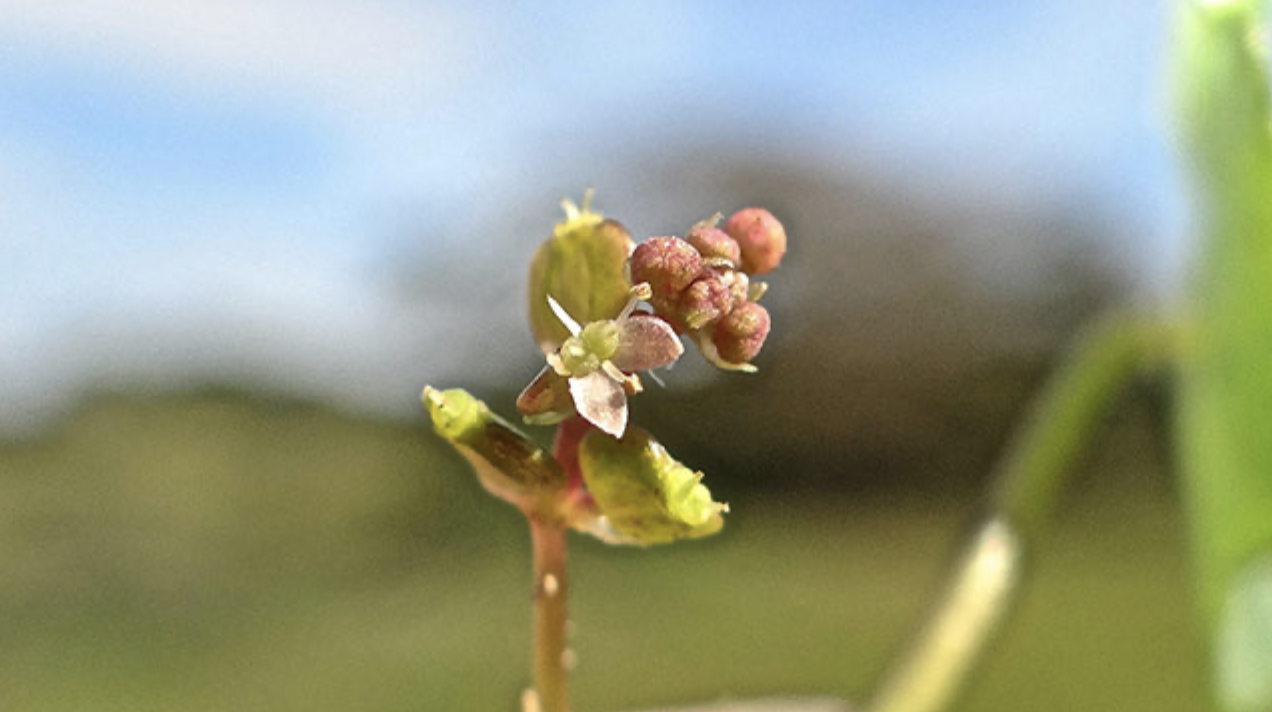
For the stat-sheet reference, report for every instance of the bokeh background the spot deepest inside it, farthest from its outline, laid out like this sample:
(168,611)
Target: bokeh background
(237,238)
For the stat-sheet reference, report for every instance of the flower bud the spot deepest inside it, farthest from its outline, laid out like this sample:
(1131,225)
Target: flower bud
(668,264)
(581,267)
(761,238)
(739,286)
(740,335)
(668,309)
(712,242)
(705,301)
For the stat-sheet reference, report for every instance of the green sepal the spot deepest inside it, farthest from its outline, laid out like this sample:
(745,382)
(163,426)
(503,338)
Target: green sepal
(646,495)
(582,267)
(508,464)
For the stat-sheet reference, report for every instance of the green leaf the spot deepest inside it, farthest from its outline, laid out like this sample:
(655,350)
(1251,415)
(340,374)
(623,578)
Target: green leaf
(644,492)
(1225,362)
(508,464)
(582,267)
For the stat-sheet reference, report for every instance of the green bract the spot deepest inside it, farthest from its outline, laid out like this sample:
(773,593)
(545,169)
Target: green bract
(581,266)
(644,492)
(508,464)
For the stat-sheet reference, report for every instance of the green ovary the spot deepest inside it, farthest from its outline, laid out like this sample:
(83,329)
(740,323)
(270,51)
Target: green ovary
(583,354)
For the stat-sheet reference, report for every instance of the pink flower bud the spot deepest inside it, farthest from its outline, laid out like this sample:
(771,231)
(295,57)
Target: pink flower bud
(740,335)
(668,264)
(712,242)
(761,238)
(668,309)
(739,287)
(705,301)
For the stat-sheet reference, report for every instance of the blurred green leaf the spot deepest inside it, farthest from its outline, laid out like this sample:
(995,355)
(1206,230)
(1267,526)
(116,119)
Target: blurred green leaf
(1225,371)
(646,493)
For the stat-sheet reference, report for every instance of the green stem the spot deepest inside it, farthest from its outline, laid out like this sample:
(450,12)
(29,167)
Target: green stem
(551,617)
(980,590)
(1060,426)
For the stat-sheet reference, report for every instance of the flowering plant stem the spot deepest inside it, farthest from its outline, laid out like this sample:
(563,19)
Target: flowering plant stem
(552,656)
(605,477)
(551,617)
(981,586)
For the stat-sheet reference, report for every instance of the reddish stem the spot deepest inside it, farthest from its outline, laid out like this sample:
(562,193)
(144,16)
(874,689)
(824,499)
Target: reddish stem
(565,448)
(551,617)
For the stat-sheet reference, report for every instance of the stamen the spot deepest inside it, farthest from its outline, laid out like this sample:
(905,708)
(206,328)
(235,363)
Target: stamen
(572,210)
(566,320)
(711,221)
(657,379)
(614,372)
(637,294)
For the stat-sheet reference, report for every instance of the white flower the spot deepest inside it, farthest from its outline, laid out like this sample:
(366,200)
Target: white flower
(594,369)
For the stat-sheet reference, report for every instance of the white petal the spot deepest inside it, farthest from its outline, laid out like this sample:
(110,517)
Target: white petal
(644,342)
(601,401)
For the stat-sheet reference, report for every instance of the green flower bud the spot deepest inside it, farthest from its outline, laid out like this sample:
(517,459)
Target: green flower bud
(740,335)
(668,264)
(582,267)
(761,238)
(508,464)
(644,492)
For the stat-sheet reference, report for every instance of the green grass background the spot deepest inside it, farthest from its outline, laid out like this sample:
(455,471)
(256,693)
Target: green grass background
(207,551)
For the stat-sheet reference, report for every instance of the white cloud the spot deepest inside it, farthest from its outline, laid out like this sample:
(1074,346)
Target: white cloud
(332,52)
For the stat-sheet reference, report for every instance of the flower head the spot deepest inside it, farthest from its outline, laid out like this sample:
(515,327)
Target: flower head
(594,369)
(705,285)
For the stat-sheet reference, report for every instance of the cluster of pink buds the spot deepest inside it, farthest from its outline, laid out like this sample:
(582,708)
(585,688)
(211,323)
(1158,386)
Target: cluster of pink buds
(587,286)
(703,285)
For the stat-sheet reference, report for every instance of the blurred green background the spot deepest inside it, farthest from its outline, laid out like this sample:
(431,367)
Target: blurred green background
(211,550)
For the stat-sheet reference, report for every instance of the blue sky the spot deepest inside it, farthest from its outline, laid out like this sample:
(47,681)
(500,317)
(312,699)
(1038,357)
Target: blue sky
(210,188)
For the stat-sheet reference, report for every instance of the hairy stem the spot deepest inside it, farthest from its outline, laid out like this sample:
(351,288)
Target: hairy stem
(980,589)
(551,617)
